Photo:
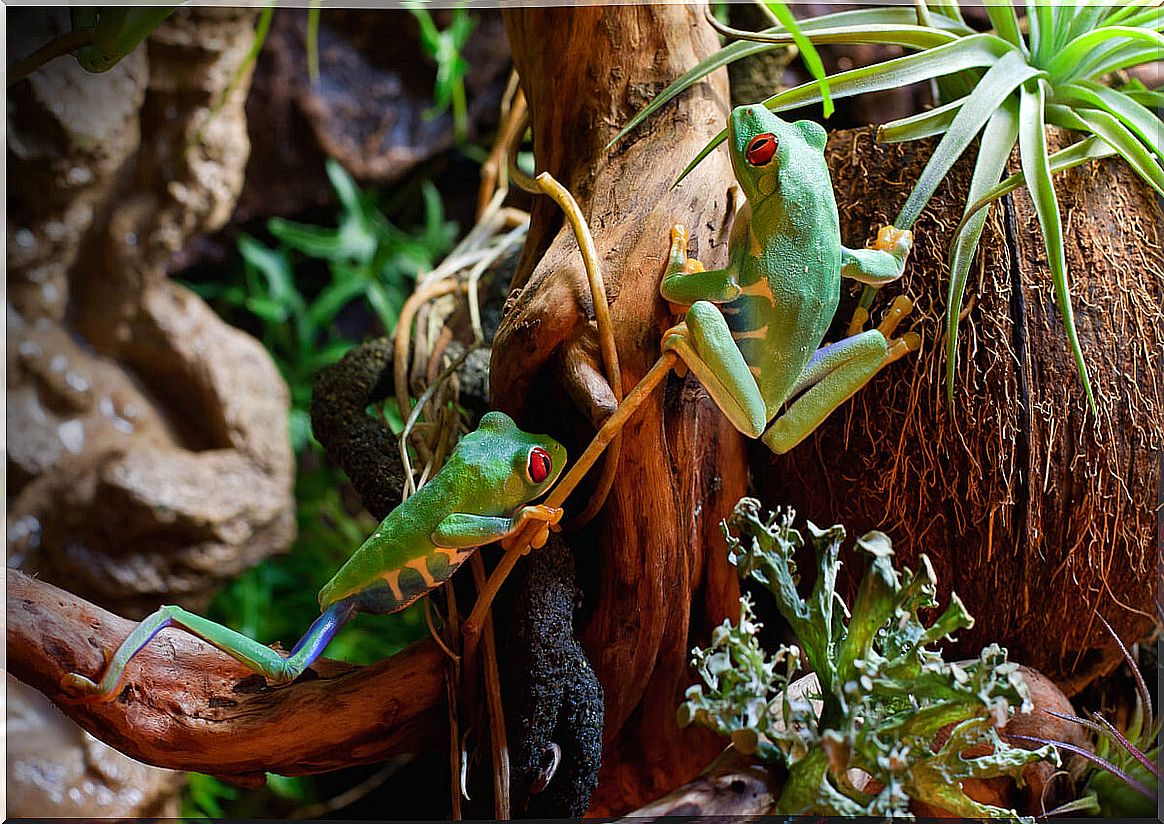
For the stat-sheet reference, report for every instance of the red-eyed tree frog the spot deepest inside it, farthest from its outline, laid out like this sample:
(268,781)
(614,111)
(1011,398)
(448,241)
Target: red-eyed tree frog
(753,330)
(480,495)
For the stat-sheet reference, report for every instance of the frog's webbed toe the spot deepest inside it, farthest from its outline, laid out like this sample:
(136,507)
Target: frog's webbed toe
(909,342)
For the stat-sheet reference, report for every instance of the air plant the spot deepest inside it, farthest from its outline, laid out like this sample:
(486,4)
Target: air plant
(1124,781)
(1002,86)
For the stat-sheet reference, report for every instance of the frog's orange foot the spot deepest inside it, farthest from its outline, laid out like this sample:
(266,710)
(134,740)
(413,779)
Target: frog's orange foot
(546,519)
(909,342)
(900,347)
(897,242)
(679,236)
(692,265)
(675,334)
(901,307)
(858,321)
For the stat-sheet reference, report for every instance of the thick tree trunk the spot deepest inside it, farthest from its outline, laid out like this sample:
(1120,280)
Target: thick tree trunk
(653,567)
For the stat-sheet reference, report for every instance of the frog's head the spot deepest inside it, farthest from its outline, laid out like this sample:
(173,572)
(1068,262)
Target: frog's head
(521,466)
(766,149)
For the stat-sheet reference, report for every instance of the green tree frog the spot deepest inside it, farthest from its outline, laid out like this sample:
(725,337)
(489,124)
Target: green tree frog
(480,495)
(753,330)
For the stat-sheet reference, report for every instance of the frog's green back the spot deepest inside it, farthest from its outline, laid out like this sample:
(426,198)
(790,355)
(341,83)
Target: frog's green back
(789,269)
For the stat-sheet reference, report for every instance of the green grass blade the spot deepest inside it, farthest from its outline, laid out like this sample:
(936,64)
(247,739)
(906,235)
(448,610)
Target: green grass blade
(1116,135)
(1005,21)
(993,151)
(925,124)
(726,55)
(1072,60)
(1122,57)
(996,86)
(1061,20)
(1139,119)
(1149,19)
(909,36)
(1065,117)
(948,9)
(312,41)
(1033,155)
(1087,17)
(808,53)
(971,52)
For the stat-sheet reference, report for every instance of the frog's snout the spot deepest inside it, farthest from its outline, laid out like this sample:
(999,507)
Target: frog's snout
(745,119)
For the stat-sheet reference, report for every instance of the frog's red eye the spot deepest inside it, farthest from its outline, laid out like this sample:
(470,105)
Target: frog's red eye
(539,464)
(761,149)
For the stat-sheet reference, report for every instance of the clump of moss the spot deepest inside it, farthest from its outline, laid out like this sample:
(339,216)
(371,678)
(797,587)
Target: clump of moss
(883,695)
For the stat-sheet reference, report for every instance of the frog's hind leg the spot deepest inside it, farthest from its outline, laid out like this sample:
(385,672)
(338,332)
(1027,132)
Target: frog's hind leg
(260,658)
(705,345)
(836,372)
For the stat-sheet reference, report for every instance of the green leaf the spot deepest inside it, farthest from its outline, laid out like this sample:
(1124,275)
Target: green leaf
(1005,21)
(975,51)
(1149,98)
(876,19)
(1147,126)
(344,185)
(728,54)
(808,53)
(273,266)
(1042,27)
(924,124)
(1077,58)
(1116,135)
(386,308)
(313,241)
(994,148)
(334,297)
(311,42)
(1093,148)
(1127,11)
(1033,154)
(1085,18)
(996,85)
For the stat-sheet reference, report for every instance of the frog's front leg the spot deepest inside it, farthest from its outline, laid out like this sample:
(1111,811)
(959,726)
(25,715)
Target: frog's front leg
(705,344)
(262,659)
(835,373)
(883,263)
(876,266)
(464,530)
(686,281)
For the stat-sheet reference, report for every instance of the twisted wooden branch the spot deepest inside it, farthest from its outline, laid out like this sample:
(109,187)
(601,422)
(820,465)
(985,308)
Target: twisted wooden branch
(185,705)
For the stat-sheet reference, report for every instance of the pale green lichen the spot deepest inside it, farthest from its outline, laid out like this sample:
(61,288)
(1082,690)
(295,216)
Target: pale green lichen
(882,695)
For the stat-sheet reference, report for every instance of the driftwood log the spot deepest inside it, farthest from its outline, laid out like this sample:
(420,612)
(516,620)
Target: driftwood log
(185,705)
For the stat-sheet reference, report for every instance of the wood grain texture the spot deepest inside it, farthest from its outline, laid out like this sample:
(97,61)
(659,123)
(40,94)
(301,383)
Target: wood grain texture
(185,705)
(652,568)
